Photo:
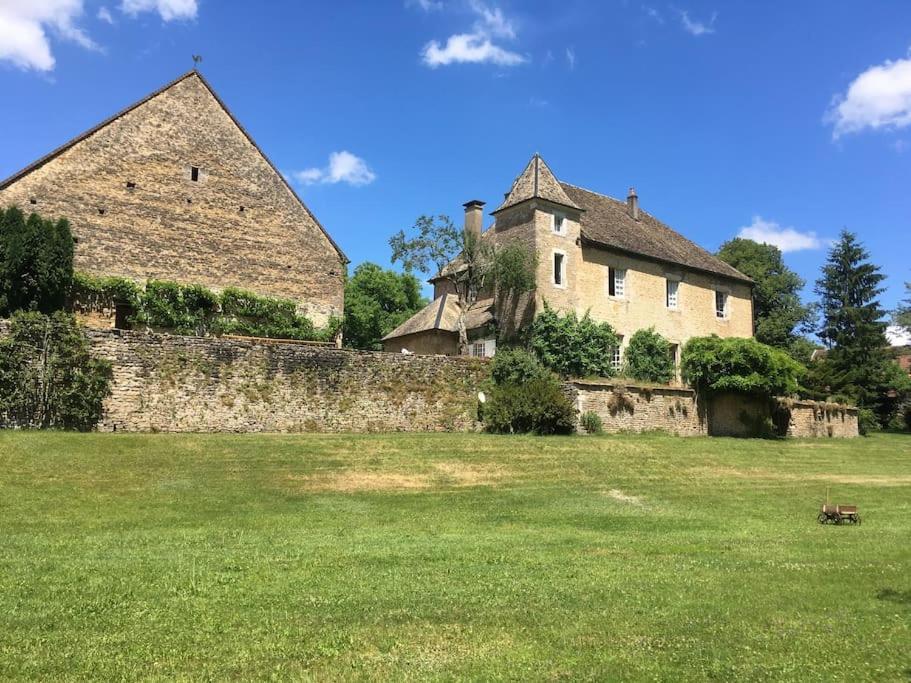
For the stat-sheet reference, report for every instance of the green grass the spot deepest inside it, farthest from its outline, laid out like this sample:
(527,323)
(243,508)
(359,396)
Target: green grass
(451,556)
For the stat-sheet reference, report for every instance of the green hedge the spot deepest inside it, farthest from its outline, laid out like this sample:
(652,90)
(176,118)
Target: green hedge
(573,346)
(648,357)
(194,309)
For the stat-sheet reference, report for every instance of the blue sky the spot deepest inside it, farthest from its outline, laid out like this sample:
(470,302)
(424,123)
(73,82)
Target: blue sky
(790,119)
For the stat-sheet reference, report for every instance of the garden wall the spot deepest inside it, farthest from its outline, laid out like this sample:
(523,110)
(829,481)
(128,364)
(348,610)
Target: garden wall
(206,384)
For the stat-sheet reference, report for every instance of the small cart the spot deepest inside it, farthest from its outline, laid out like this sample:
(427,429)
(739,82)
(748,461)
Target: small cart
(839,514)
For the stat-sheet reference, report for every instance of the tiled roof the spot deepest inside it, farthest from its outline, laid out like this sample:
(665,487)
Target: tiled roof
(607,222)
(537,181)
(443,314)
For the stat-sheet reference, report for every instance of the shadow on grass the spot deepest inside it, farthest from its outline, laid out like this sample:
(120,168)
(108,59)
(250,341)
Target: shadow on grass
(898,597)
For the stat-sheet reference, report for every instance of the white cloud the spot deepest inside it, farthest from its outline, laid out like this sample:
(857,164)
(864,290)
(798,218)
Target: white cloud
(426,5)
(571,58)
(898,336)
(105,15)
(697,28)
(476,47)
(169,10)
(25,25)
(880,97)
(653,13)
(538,102)
(786,239)
(344,167)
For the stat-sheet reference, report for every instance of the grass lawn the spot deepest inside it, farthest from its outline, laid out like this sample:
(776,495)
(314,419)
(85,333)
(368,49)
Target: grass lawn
(451,556)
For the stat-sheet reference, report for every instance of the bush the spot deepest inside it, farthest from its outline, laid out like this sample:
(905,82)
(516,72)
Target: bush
(48,378)
(573,347)
(538,407)
(908,417)
(591,423)
(866,421)
(36,262)
(712,364)
(648,357)
(515,366)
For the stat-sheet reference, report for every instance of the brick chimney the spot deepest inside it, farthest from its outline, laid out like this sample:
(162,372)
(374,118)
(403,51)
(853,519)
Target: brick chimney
(632,203)
(474,217)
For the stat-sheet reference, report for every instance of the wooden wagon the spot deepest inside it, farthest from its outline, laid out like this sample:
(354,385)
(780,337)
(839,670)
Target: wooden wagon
(839,514)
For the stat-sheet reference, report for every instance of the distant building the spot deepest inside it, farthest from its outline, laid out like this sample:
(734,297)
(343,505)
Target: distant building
(596,254)
(174,188)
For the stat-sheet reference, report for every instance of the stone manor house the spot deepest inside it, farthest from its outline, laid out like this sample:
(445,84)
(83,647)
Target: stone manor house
(174,188)
(596,254)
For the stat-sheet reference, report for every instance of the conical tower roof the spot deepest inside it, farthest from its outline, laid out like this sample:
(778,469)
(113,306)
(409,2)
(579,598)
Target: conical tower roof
(537,181)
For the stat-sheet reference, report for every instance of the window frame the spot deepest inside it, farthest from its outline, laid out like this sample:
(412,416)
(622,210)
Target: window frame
(612,280)
(553,223)
(563,268)
(675,284)
(616,360)
(724,313)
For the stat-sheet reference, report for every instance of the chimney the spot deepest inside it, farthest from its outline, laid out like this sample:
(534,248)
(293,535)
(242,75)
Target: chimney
(474,217)
(632,203)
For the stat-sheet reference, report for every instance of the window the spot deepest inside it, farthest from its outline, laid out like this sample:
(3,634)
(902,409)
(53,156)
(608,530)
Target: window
(672,287)
(616,282)
(484,348)
(616,360)
(131,185)
(674,354)
(559,223)
(477,349)
(721,304)
(194,174)
(559,269)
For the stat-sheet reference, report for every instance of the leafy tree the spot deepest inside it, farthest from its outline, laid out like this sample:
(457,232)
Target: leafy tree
(778,313)
(648,357)
(36,262)
(48,378)
(516,366)
(376,302)
(473,267)
(573,346)
(903,312)
(857,365)
(712,364)
(538,406)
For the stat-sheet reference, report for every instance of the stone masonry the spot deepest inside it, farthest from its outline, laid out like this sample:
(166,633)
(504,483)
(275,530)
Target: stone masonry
(128,189)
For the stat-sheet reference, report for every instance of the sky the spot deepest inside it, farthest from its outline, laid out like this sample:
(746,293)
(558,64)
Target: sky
(780,121)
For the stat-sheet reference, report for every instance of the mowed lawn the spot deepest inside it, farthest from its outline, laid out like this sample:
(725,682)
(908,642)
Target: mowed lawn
(451,556)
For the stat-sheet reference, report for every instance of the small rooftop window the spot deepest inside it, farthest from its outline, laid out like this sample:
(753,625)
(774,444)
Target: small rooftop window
(32,201)
(101,212)
(194,174)
(131,185)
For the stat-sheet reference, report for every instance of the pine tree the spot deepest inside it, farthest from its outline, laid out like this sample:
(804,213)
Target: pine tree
(857,365)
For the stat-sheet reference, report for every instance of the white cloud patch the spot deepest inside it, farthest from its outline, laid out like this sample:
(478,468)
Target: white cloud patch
(426,5)
(879,98)
(697,28)
(104,15)
(571,58)
(168,10)
(26,27)
(344,167)
(898,336)
(476,47)
(786,239)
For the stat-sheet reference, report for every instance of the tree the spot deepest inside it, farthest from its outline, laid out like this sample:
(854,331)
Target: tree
(36,262)
(778,313)
(857,365)
(376,302)
(903,312)
(573,346)
(648,357)
(472,266)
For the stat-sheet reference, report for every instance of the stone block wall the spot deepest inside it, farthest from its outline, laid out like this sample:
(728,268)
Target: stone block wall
(204,384)
(640,408)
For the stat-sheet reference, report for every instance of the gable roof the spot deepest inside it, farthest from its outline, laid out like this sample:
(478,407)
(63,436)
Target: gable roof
(537,181)
(443,314)
(606,222)
(79,138)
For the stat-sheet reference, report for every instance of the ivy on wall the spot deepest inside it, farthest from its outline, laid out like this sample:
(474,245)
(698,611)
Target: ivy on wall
(196,310)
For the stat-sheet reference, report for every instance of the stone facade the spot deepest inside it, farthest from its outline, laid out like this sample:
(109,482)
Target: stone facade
(203,384)
(128,189)
(643,408)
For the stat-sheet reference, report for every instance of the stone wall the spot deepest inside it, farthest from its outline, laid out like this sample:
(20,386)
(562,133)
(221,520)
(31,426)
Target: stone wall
(640,408)
(128,191)
(737,415)
(198,384)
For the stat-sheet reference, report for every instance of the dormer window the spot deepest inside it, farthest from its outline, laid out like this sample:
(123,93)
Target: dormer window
(559,223)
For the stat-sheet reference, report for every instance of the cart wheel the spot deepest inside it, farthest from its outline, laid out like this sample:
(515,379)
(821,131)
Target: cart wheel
(839,519)
(823,518)
(857,519)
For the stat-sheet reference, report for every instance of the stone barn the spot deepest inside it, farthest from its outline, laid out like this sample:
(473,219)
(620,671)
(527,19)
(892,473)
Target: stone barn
(174,188)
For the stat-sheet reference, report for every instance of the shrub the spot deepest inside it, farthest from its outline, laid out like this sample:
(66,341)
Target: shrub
(573,347)
(93,293)
(712,364)
(36,262)
(515,366)
(866,421)
(48,378)
(538,407)
(648,357)
(591,423)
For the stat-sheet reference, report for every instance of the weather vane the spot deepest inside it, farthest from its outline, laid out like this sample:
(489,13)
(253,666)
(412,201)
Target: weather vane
(197,59)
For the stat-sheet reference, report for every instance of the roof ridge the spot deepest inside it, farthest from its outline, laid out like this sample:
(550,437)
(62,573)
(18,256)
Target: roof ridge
(600,194)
